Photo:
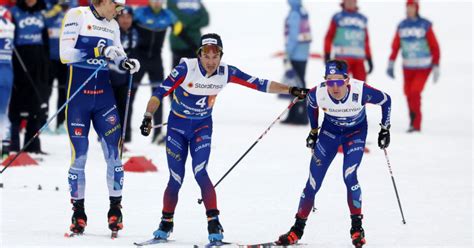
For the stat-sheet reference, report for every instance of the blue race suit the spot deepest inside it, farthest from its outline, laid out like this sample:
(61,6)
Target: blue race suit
(82,32)
(7,30)
(345,124)
(190,122)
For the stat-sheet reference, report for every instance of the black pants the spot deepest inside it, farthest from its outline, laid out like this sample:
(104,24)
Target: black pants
(27,96)
(154,68)
(298,113)
(59,71)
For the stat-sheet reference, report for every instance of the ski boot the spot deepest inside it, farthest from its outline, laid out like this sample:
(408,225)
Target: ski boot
(295,233)
(166,226)
(214,227)
(114,215)
(79,218)
(357,232)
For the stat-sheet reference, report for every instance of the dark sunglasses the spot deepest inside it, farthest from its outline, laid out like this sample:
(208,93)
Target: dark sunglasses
(338,82)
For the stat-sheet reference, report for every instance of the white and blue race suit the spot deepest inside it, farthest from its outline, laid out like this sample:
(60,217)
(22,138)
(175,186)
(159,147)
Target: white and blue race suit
(344,124)
(83,31)
(190,122)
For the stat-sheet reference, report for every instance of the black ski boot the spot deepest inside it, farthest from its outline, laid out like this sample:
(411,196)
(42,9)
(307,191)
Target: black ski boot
(214,227)
(357,232)
(166,226)
(79,218)
(295,233)
(114,215)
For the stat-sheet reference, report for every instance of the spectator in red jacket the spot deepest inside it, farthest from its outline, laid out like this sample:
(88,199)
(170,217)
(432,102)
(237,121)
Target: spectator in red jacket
(348,39)
(420,52)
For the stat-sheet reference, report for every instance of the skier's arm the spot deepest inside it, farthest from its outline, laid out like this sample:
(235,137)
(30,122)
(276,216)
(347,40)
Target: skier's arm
(71,26)
(176,77)
(375,96)
(313,109)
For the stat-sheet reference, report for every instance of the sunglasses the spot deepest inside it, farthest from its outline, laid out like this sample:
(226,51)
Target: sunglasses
(332,83)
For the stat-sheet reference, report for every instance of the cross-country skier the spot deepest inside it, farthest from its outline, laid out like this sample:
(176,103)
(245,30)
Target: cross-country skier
(421,53)
(90,38)
(343,101)
(7,33)
(194,85)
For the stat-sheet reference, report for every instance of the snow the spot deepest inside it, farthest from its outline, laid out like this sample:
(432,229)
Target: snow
(258,200)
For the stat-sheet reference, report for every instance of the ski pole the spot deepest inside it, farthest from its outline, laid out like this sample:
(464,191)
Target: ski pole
(159,125)
(255,143)
(52,117)
(127,105)
(394,185)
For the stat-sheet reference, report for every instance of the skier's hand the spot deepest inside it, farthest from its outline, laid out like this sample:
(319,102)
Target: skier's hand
(132,65)
(145,128)
(390,72)
(312,138)
(371,65)
(384,136)
(113,52)
(435,73)
(299,92)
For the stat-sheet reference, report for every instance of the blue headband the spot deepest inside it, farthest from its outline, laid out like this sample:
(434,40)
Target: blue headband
(332,69)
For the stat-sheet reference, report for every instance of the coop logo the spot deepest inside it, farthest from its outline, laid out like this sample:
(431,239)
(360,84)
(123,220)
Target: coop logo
(72,176)
(96,62)
(352,21)
(31,21)
(118,169)
(355,187)
(412,32)
(207,86)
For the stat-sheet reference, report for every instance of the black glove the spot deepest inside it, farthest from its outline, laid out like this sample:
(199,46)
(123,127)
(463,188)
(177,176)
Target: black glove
(327,57)
(371,65)
(312,138)
(299,92)
(384,136)
(145,128)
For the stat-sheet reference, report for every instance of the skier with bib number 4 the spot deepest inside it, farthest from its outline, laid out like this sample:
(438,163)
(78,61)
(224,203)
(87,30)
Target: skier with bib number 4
(194,85)
(343,101)
(89,40)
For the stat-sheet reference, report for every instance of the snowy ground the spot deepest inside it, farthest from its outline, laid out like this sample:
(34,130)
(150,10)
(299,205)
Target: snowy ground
(258,200)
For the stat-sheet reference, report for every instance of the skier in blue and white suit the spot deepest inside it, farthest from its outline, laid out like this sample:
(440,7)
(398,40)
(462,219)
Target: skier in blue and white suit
(194,85)
(7,34)
(90,37)
(343,101)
